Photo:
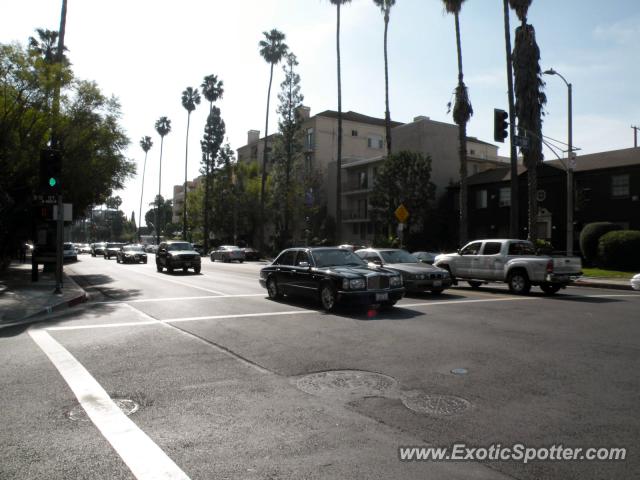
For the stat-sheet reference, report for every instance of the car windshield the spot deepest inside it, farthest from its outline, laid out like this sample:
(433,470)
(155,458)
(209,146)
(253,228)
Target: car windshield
(179,246)
(133,248)
(114,245)
(337,257)
(67,246)
(397,256)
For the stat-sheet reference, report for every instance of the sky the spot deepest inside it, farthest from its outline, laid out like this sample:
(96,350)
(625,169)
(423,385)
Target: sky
(146,52)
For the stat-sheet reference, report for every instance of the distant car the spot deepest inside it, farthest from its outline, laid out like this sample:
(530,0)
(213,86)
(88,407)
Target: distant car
(83,248)
(151,248)
(416,276)
(111,250)
(176,254)
(131,254)
(251,253)
(426,257)
(227,253)
(331,275)
(635,282)
(97,248)
(69,253)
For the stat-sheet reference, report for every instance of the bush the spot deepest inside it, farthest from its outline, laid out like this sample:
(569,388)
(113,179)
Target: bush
(589,237)
(620,250)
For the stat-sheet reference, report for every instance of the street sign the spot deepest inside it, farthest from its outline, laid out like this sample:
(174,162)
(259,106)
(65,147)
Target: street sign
(68,212)
(402,213)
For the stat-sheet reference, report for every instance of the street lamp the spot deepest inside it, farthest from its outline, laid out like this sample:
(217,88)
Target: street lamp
(570,166)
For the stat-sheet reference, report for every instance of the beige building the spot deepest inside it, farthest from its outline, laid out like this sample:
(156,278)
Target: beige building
(178,198)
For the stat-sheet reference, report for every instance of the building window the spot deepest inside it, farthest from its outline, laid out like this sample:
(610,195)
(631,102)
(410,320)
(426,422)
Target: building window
(481,199)
(309,140)
(620,186)
(354,133)
(375,141)
(505,197)
(362,180)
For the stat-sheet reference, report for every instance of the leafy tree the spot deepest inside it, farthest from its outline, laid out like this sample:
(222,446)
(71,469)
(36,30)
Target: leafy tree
(338,4)
(404,178)
(190,98)
(160,216)
(462,112)
(530,100)
(145,144)
(272,49)
(225,198)
(385,7)
(163,127)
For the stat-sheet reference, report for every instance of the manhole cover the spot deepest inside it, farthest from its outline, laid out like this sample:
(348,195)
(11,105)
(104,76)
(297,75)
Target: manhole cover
(127,407)
(347,384)
(434,404)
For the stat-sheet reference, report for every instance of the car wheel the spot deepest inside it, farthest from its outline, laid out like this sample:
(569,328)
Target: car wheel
(145,262)
(474,283)
(272,289)
(519,282)
(241,261)
(213,259)
(197,269)
(437,291)
(328,297)
(117,259)
(550,288)
(158,267)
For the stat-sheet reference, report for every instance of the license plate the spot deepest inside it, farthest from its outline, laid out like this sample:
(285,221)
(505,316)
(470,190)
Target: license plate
(382,297)
(437,283)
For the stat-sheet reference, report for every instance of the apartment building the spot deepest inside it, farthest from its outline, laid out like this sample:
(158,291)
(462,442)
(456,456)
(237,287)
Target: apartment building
(178,198)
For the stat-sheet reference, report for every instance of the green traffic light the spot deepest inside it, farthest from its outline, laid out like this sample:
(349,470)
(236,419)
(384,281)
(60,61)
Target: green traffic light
(52,182)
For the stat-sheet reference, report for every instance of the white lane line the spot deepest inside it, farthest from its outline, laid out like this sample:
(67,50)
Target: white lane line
(241,315)
(177,299)
(450,302)
(145,459)
(102,325)
(163,277)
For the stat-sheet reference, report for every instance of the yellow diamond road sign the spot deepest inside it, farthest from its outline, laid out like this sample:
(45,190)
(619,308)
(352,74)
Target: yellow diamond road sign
(402,213)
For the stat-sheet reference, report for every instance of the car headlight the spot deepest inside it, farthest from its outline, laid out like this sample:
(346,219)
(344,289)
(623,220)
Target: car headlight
(395,281)
(357,284)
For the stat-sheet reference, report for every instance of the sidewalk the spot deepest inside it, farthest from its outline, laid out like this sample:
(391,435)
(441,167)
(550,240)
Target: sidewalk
(602,282)
(23,301)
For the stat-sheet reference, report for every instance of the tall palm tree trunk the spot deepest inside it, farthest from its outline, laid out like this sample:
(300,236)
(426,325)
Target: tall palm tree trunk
(184,206)
(339,159)
(462,135)
(387,114)
(264,163)
(144,169)
(159,194)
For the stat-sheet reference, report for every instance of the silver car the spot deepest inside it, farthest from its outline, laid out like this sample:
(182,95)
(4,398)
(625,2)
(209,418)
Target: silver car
(227,253)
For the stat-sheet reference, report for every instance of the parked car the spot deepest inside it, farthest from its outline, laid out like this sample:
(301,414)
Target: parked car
(251,253)
(111,250)
(416,276)
(151,248)
(426,257)
(635,282)
(97,248)
(177,254)
(131,254)
(69,253)
(515,262)
(331,275)
(227,253)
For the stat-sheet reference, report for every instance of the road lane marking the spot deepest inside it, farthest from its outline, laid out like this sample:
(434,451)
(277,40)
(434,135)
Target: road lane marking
(240,315)
(449,302)
(163,277)
(145,459)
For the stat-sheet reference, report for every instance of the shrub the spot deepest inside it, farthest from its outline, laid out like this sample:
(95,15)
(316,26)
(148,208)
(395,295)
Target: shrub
(620,250)
(590,235)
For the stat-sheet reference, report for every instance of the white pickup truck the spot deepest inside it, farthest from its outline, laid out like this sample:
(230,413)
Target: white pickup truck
(512,261)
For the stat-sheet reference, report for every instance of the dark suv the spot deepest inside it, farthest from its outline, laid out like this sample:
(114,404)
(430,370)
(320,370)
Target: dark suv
(111,250)
(177,254)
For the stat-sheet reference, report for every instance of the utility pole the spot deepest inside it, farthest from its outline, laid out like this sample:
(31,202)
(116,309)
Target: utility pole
(635,136)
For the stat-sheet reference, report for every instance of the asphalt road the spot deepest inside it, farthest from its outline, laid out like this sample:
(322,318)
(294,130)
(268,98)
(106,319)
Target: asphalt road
(229,384)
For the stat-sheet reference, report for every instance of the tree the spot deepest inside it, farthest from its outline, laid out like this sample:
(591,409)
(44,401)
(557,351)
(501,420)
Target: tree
(272,49)
(190,98)
(214,132)
(163,127)
(462,112)
(404,178)
(530,100)
(212,89)
(145,144)
(160,216)
(338,3)
(385,7)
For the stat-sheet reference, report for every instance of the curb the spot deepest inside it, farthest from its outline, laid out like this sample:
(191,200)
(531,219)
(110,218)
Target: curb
(613,286)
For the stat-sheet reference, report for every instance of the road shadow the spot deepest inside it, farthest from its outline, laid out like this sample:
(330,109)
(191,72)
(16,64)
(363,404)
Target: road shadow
(537,293)
(99,283)
(426,295)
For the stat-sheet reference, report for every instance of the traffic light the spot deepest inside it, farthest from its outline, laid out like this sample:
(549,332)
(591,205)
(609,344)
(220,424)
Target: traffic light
(50,169)
(500,125)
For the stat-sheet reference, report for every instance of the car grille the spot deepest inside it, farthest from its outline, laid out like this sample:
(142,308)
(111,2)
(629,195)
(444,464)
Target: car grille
(377,282)
(187,257)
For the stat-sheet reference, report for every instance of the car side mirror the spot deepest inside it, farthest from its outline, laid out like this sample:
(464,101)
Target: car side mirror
(459,251)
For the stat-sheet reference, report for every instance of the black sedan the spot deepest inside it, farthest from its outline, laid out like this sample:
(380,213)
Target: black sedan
(131,254)
(416,276)
(331,275)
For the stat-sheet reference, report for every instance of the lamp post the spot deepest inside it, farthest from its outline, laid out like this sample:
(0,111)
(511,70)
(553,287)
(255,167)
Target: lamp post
(570,165)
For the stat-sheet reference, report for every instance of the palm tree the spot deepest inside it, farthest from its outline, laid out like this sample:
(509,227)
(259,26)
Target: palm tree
(338,3)
(212,89)
(385,7)
(272,49)
(462,112)
(529,104)
(163,127)
(190,98)
(146,144)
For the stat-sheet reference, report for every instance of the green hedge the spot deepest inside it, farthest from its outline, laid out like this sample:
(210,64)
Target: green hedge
(620,250)
(589,237)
